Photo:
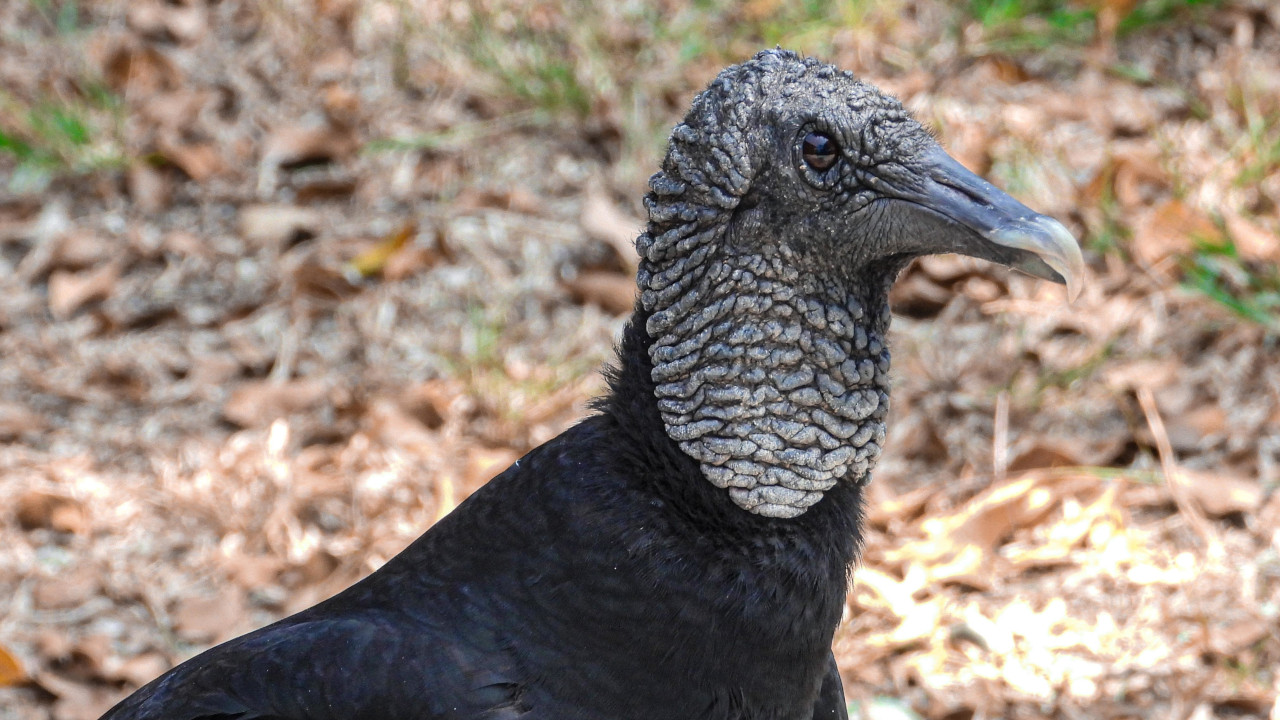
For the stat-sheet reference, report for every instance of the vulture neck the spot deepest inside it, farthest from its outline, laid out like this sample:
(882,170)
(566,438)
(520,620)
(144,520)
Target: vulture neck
(773,380)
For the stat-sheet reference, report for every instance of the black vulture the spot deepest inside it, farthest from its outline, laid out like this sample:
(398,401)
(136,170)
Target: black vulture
(683,552)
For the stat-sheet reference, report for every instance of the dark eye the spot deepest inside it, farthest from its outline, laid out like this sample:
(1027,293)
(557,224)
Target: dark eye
(819,151)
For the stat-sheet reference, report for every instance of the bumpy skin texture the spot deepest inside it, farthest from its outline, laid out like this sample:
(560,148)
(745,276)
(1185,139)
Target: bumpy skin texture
(684,553)
(770,365)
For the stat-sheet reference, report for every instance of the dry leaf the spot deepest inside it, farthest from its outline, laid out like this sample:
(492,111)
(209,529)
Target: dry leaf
(139,71)
(603,221)
(916,295)
(212,618)
(516,200)
(199,160)
(68,292)
(88,657)
(1171,229)
(36,509)
(970,143)
(897,507)
(17,421)
(410,261)
(392,426)
(139,669)
(613,292)
(258,403)
(185,244)
(66,590)
(82,250)
(148,187)
(431,402)
(332,66)
(1188,427)
(483,463)
(252,572)
(316,279)
(1139,179)
(175,112)
(11,672)
(342,106)
(371,261)
(1221,494)
(294,145)
(278,226)
(961,546)
(161,21)
(1134,374)
(1045,455)
(77,701)
(1069,533)
(1229,640)
(1251,240)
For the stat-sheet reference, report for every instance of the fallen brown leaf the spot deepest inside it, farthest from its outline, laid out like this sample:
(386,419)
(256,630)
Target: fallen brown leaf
(148,187)
(1169,230)
(199,160)
(278,226)
(917,295)
(393,426)
(139,71)
(17,421)
(602,220)
(1228,640)
(293,145)
(68,292)
(485,462)
(258,403)
(373,260)
(1252,241)
(1046,455)
(139,669)
(37,509)
(176,111)
(88,657)
(68,589)
(210,618)
(1138,179)
(77,701)
(410,261)
(1148,373)
(11,672)
(1220,494)
(318,280)
(961,546)
(513,199)
(160,21)
(612,292)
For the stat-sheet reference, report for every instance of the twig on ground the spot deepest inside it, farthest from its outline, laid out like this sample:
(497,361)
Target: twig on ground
(1175,480)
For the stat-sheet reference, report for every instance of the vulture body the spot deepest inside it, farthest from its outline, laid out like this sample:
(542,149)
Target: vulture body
(684,552)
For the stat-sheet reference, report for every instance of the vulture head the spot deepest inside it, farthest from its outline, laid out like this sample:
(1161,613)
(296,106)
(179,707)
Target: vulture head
(791,196)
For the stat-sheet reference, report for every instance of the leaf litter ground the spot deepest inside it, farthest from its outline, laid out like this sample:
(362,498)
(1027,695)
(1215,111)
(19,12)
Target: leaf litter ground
(282,283)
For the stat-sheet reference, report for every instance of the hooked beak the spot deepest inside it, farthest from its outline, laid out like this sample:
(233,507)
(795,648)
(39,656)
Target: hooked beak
(1004,230)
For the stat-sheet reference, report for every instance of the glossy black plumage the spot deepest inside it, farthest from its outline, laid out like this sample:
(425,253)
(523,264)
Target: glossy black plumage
(571,575)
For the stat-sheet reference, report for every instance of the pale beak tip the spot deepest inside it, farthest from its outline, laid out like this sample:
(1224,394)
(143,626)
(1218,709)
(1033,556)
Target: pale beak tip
(1053,251)
(1063,255)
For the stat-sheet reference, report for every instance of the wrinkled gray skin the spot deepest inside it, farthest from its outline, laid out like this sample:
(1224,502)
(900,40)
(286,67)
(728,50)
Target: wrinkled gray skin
(767,279)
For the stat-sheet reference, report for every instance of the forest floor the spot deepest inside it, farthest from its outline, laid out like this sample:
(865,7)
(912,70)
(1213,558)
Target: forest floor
(282,281)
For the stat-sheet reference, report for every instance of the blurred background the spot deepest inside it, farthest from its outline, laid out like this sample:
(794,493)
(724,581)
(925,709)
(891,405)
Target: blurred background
(282,281)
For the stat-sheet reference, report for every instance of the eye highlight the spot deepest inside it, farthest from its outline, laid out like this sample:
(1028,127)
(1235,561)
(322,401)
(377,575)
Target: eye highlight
(819,151)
